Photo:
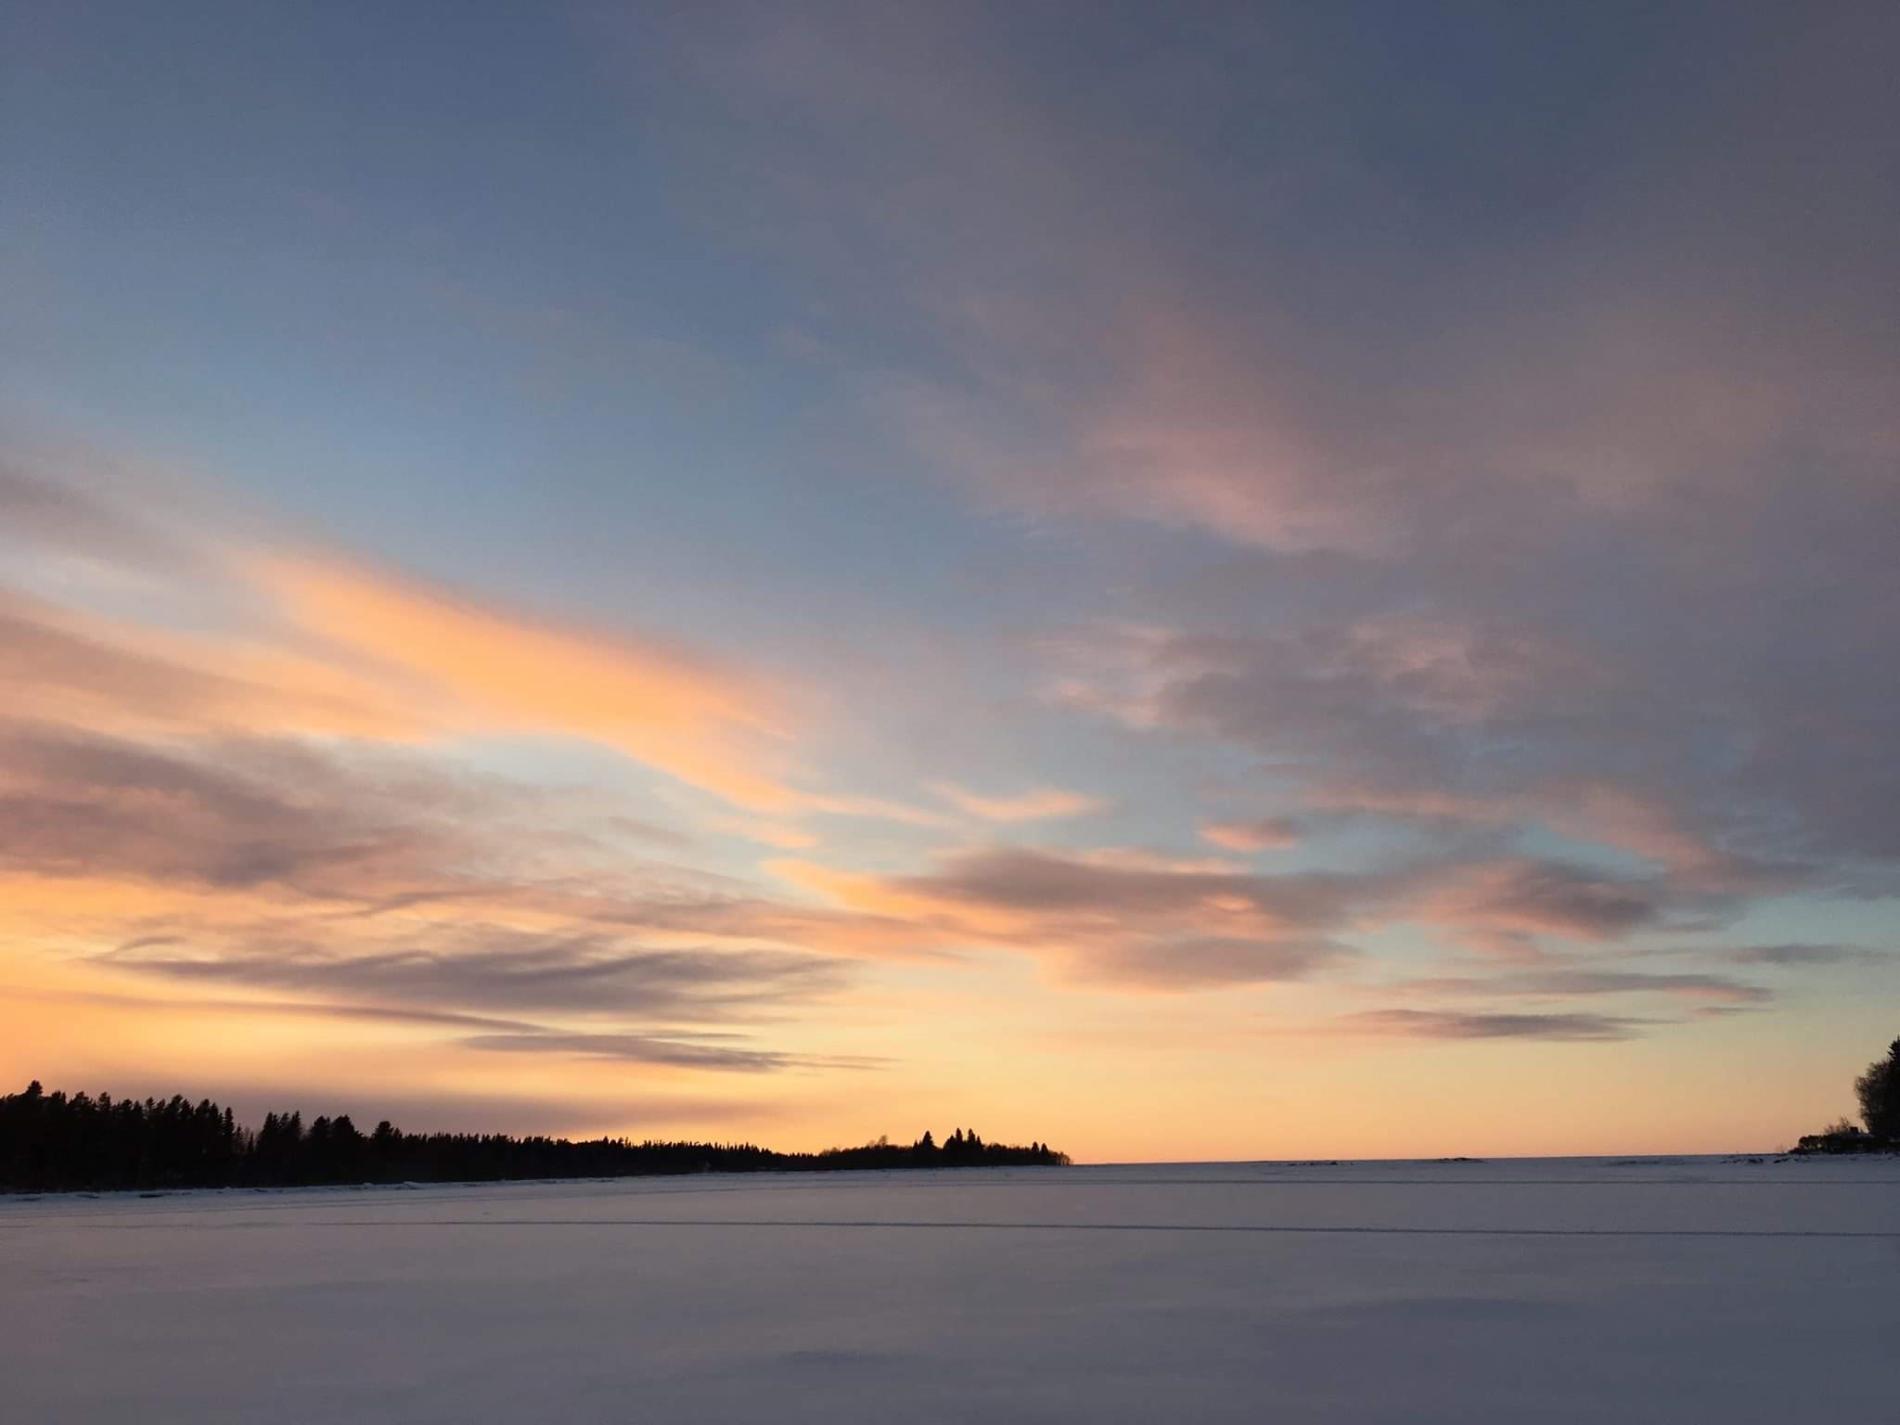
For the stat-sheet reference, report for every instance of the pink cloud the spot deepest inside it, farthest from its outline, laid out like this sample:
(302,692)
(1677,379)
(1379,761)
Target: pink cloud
(1268,833)
(1503,906)
(1036,804)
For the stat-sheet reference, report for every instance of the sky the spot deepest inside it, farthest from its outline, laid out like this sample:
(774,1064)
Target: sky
(1191,582)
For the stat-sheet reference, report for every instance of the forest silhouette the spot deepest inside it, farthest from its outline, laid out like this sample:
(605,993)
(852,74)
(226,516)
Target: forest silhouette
(55,1142)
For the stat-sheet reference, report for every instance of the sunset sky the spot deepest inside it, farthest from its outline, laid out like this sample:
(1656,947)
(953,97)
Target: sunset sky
(1188,581)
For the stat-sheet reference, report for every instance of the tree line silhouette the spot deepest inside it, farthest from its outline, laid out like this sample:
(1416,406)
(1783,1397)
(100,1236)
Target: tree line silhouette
(1879,1093)
(53,1142)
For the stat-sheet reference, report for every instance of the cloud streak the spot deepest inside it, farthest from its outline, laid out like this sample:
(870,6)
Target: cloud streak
(585,975)
(653,1049)
(477,669)
(1270,833)
(1038,804)
(1437,1024)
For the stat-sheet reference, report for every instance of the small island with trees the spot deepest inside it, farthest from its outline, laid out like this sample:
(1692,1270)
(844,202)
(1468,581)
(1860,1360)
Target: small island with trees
(53,1142)
(1879,1092)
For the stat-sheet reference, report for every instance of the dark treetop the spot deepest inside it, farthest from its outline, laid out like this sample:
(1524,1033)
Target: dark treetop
(52,1142)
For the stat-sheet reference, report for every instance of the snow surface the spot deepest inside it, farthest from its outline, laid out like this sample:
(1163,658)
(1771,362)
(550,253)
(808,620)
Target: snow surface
(1673,1290)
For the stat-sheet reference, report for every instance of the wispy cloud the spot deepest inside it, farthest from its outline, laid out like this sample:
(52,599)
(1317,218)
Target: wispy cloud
(478,669)
(1560,982)
(1800,955)
(1437,1024)
(655,1049)
(1142,922)
(589,974)
(1037,804)
(1502,905)
(1268,833)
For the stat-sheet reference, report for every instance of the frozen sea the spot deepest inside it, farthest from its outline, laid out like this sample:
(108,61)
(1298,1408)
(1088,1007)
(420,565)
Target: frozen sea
(1588,1290)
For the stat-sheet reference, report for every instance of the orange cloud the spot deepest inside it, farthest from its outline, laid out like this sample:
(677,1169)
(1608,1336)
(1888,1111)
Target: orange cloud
(473,669)
(77,670)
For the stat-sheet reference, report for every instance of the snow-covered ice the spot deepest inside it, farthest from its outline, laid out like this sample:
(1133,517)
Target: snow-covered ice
(1676,1290)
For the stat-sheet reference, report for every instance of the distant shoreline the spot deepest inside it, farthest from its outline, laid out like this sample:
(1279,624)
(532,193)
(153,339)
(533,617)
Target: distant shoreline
(1784,1157)
(52,1142)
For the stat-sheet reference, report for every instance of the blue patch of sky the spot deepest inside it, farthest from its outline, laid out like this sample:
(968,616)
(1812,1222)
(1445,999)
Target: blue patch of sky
(439,307)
